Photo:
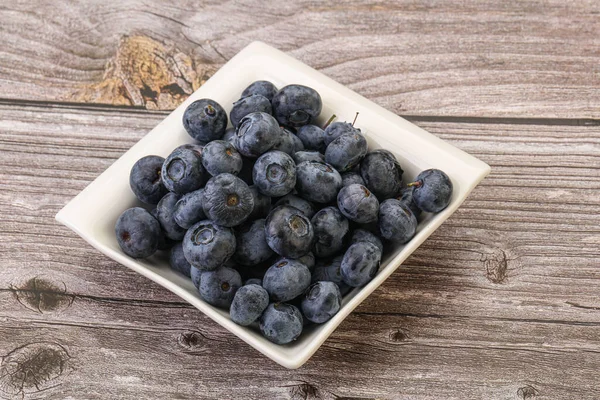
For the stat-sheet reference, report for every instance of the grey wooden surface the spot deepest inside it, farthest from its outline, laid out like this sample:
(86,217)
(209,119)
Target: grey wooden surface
(502,302)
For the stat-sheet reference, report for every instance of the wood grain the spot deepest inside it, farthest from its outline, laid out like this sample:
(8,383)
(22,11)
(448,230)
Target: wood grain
(492,306)
(454,58)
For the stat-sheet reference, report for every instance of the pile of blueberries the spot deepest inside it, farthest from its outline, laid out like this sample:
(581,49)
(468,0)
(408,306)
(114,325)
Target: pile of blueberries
(275,219)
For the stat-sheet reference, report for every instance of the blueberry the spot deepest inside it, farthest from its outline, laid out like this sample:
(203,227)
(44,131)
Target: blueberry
(337,129)
(182,171)
(221,157)
(331,228)
(322,301)
(396,222)
(433,190)
(296,105)
(286,142)
(305,206)
(207,246)
(205,120)
(254,281)
(188,209)
(137,232)
(274,173)
(218,287)
(329,270)
(358,204)
(307,259)
(301,156)
(164,243)
(286,279)
(247,105)
(145,181)
(251,245)
(360,263)
(406,197)
(196,276)
(346,152)
(177,260)
(257,133)
(248,304)
(227,200)
(361,235)
(229,136)
(262,204)
(263,88)
(349,178)
(312,137)
(281,323)
(165,214)
(382,174)
(318,182)
(289,232)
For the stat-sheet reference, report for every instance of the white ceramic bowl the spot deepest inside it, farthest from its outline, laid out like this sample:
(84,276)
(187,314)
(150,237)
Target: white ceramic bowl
(93,212)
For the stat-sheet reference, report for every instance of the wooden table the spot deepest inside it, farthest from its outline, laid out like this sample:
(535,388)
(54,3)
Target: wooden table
(502,302)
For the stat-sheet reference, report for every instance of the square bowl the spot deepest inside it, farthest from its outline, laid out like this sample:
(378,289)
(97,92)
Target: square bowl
(93,212)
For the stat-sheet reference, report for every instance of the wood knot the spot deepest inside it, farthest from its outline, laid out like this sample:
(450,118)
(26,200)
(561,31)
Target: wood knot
(147,73)
(191,341)
(304,391)
(40,295)
(527,392)
(496,266)
(33,368)
(398,335)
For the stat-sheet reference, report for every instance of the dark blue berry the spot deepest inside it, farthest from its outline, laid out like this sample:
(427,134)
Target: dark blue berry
(312,137)
(289,232)
(182,172)
(351,177)
(331,228)
(360,263)
(227,200)
(337,129)
(165,214)
(137,232)
(205,120)
(301,204)
(329,270)
(145,181)
(361,235)
(256,134)
(286,142)
(318,182)
(358,204)
(262,204)
(296,105)
(207,246)
(248,304)
(274,173)
(281,323)
(188,209)
(433,190)
(346,152)
(247,105)
(218,287)
(406,197)
(221,157)
(178,262)
(382,174)
(301,156)
(322,301)
(263,88)
(251,245)
(286,279)
(396,222)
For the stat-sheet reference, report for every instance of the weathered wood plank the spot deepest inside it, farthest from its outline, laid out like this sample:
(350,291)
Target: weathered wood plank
(441,58)
(489,307)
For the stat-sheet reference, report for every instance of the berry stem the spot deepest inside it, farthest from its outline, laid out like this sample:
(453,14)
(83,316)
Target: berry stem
(416,184)
(356,116)
(329,121)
